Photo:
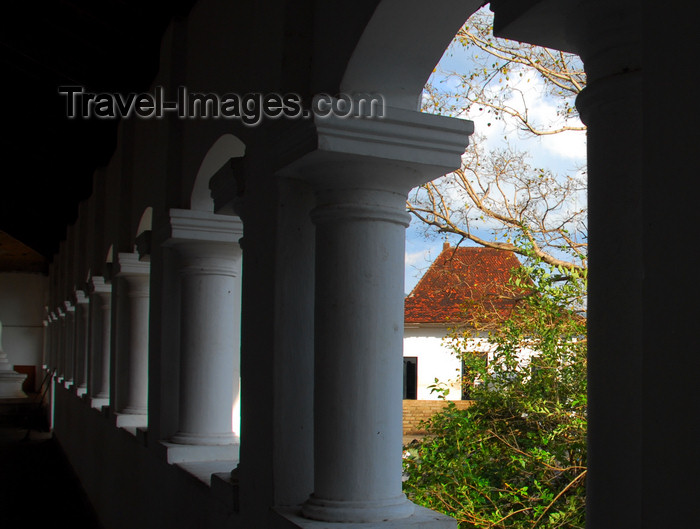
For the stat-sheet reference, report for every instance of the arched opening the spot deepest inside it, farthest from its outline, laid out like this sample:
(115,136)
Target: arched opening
(520,191)
(224,149)
(144,231)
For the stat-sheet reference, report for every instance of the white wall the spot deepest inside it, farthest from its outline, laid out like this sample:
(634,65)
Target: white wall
(22,303)
(434,361)
(437,360)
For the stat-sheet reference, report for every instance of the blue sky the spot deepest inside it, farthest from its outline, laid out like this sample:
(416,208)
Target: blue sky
(563,153)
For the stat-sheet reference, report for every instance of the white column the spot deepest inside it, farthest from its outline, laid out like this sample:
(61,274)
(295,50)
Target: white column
(210,261)
(132,358)
(358,382)
(362,171)
(60,344)
(82,309)
(46,345)
(53,333)
(56,342)
(99,343)
(69,344)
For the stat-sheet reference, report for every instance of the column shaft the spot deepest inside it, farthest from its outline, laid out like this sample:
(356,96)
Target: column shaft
(209,260)
(69,344)
(359,338)
(137,347)
(210,337)
(99,347)
(610,105)
(132,359)
(61,346)
(82,309)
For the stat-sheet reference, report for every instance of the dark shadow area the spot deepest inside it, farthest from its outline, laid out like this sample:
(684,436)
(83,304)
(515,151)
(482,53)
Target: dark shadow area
(38,487)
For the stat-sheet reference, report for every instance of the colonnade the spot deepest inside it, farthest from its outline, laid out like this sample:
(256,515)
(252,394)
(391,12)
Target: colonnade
(100,328)
(319,269)
(97,332)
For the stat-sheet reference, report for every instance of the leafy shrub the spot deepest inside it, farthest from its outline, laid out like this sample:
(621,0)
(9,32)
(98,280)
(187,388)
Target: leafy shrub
(516,458)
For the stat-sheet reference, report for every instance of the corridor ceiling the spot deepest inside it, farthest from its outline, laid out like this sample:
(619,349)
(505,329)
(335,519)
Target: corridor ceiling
(47,159)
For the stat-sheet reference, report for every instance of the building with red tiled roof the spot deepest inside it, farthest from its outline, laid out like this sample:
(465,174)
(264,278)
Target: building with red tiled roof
(460,278)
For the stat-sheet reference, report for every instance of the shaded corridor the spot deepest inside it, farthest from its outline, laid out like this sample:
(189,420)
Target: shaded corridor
(38,488)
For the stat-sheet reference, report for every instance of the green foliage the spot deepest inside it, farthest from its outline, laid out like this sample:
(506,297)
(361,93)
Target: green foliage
(517,457)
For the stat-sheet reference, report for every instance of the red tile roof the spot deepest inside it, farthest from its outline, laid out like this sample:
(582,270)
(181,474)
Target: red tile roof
(458,277)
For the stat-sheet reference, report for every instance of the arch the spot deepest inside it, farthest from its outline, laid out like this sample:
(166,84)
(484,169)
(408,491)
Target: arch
(146,221)
(143,234)
(109,258)
(401,45)
(226,147)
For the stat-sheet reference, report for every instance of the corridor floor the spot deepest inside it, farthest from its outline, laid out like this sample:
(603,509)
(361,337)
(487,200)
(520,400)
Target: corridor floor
(38,488)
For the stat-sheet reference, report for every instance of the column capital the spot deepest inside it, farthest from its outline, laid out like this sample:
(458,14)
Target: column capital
(606,34)
(188,225)
(399,151)
(68,307)
(207,243)
(99,285)
(135,272)
(129,264)
(79,298)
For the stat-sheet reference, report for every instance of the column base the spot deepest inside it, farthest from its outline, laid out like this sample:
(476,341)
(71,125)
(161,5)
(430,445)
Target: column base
(357,511)
(130,420)
(98,402)
(133,410)
(184,438)
(179,453)
(11,385)
(421,518)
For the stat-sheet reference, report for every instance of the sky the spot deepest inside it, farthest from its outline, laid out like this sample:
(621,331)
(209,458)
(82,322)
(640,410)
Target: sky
(562,153)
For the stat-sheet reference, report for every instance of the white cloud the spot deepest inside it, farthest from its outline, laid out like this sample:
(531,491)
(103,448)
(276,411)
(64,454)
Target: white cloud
(569,144)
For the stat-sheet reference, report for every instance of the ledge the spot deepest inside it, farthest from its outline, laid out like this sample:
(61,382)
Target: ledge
(97,403)
(421,518)
(182,453)
(210,465)
(130,420)
(205,470)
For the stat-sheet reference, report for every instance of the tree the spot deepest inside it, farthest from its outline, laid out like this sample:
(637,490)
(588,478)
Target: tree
(516,458)
(497,189)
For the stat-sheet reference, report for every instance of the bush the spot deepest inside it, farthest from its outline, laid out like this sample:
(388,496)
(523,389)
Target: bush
(517,457)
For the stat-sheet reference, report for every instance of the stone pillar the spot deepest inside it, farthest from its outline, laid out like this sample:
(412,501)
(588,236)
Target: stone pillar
(210,264)
(53,327)
(359,323)
(69,344)
(10,381)
(46,346)
(608,35)
(82,309)
(100,338)
(132,356)
(56,332)
(60,344)
(362,172)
